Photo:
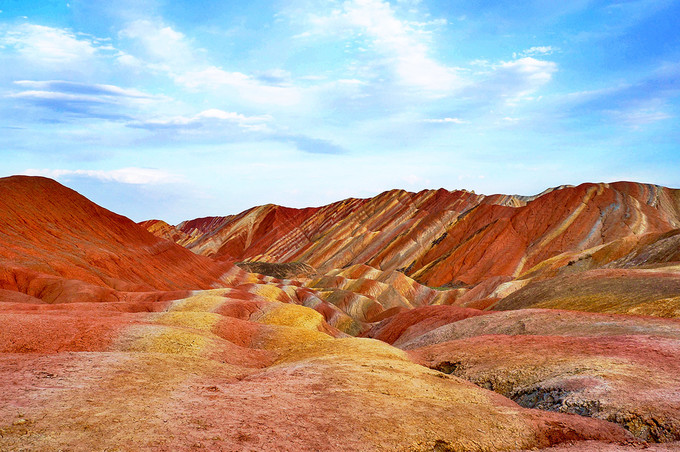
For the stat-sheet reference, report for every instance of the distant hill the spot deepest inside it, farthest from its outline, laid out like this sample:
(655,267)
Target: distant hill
(484,323)
(454,239)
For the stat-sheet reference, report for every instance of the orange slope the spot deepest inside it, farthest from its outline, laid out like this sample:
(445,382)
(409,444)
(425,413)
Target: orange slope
(55,243)
(439,237)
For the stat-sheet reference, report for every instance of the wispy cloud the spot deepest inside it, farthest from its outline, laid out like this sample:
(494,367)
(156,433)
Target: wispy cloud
(238,127)
(205,118)
(512,81)
(312,145)
(529,72)
(633,103)
(400,47)
(50,46)
(132,175)
(534,51)
(160,46)
(241,85)
(80,99)
(445,121)
(641,117)
(82,89)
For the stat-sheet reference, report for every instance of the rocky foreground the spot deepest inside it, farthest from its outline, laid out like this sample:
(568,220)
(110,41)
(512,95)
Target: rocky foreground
(430,321)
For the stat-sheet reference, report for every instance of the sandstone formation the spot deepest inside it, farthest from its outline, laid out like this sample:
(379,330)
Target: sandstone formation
(486,323)
(224,370)
(457,239)
(631,380)
(57,245)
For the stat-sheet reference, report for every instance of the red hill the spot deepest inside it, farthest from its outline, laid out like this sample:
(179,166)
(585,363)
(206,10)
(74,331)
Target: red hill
(443,238)
(55,243)
(103,344)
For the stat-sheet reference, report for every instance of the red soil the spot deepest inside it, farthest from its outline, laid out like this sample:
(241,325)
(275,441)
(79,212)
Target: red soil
(57,245)
(105,345)
(442,237)
(415,322)
(631,380)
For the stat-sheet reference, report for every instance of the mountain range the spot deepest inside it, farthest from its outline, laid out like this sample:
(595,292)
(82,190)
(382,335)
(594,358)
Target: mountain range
(438,320)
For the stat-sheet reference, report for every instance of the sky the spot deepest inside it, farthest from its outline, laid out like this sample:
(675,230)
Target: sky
(177,109)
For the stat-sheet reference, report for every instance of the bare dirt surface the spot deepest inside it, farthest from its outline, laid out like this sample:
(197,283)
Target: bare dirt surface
(112,338)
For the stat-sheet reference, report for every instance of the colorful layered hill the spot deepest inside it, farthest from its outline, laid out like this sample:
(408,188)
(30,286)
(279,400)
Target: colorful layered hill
(442,238)
(56,245)
(568,301)
(114,339)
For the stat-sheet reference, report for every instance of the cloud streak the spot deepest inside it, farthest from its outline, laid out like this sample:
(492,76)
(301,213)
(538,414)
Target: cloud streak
(445,121)
(534,51)
(212,117)
(86,89)
(131,175)
(91,100)
(50,46)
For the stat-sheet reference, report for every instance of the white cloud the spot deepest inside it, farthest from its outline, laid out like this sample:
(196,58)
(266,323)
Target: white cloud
(54,88)
(51,95)
(535,71)
(402,47)
(495,86)
(49,46)
(446,120)
(213,78)
(126,59)
(207,117)
(518,78)
(537,50)
(160,48)
(132,175)
(160,44)
(637,118)
(90,100)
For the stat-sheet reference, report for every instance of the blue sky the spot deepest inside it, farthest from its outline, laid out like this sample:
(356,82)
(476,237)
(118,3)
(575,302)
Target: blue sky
(180,109)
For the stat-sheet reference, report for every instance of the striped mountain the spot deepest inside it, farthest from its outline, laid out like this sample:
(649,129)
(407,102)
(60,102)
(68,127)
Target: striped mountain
(446,238)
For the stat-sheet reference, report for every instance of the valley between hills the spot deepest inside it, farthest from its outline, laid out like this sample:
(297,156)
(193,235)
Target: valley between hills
(430,321)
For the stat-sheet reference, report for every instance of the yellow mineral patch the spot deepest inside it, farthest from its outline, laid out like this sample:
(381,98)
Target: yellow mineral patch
(290,324)
(270,292)
(358,307)
(613,369)
(204,321)
(448,296)
(505,289)
(605,303)
(168,340)
(666,307)
(203,301)
(349,347)
(667,268)
(384,369)
(291,291)
(285,314)
(346,324)
(287,337)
